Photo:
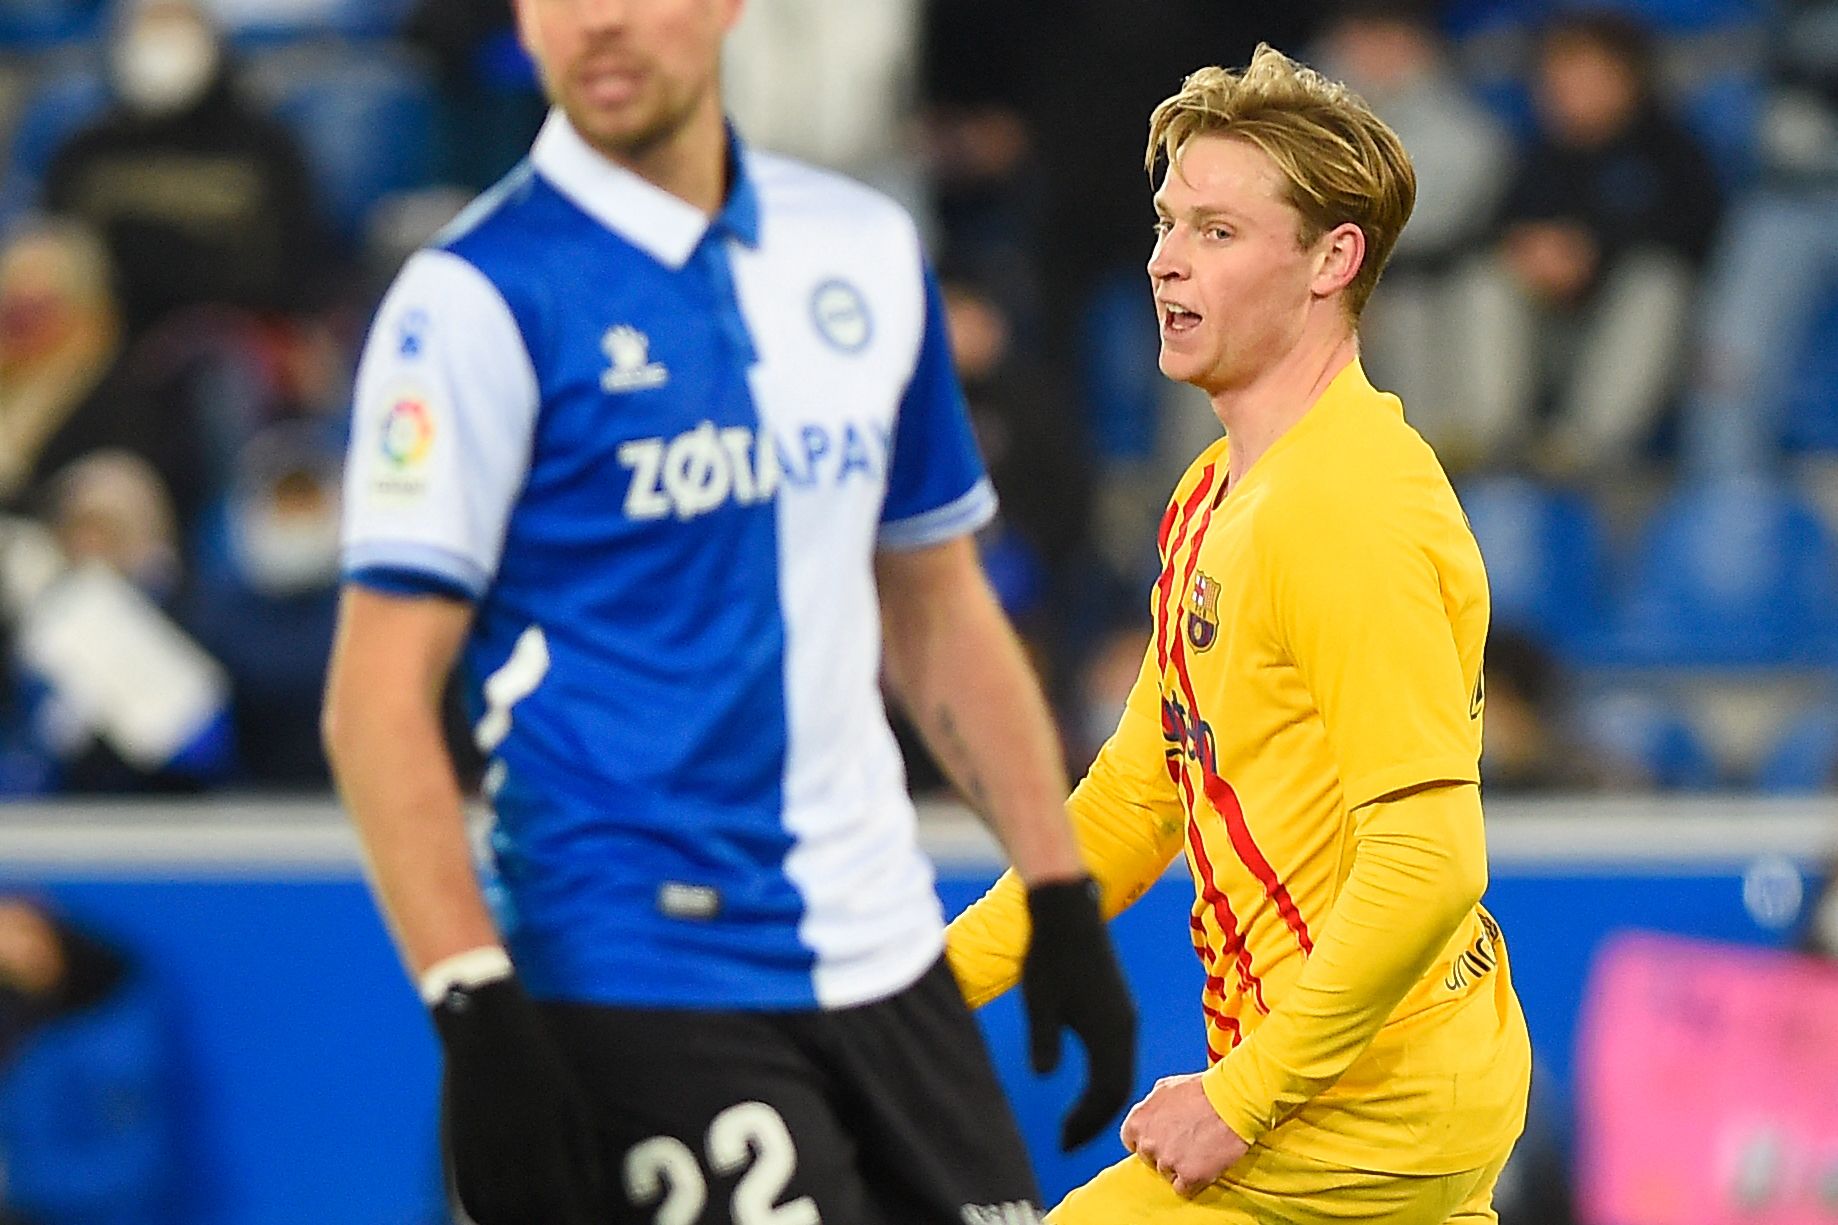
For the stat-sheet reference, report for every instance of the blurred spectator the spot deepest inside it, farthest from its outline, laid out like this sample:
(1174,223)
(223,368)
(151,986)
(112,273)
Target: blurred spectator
(1035,455)
(65,385)
(110,507)
(491,103)
(1103,689)
(101,690)
(1061,90)
(265,606)
(1527,746)
(86,1136)
(1587,301)
(834,83)
(203,198)
(1390,52)
(1778,258)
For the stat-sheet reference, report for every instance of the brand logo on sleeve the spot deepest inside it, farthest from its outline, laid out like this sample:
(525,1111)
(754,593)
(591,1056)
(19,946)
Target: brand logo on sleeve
(1203,612)
(630,368)
(411,333)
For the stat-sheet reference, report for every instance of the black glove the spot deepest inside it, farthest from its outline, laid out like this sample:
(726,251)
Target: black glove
(1071,980)
(518,1131)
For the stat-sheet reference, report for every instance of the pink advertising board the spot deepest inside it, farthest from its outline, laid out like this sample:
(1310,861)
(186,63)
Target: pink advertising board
(1707,1086)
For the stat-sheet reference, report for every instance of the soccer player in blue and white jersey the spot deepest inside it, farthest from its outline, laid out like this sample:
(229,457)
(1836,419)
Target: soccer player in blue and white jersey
(660,448)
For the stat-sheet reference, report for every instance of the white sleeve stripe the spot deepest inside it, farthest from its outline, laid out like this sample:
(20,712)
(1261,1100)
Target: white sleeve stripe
(492,300)
(959,517)
(419,558)
(448,361)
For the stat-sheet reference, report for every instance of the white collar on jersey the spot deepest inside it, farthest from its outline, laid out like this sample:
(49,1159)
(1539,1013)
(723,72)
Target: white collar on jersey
(664,226)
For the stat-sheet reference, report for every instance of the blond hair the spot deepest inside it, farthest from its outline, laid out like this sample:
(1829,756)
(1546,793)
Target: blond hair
(1339,160)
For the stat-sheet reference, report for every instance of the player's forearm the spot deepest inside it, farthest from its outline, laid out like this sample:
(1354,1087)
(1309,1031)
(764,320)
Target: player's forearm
(393,773)
(955,662)
(983,716)
(1419,869)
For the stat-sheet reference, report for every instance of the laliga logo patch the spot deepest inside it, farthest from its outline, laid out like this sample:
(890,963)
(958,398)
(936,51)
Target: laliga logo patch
(841,315)
(1203,612)
(408,432)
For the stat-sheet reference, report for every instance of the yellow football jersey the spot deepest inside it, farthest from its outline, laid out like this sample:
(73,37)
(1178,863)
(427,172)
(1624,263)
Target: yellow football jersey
(1318,632)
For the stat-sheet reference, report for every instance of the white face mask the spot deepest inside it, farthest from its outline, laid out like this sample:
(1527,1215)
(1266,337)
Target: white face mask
(164,66)
(285,555)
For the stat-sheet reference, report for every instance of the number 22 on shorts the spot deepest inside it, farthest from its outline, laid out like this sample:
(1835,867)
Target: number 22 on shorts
(664,1172)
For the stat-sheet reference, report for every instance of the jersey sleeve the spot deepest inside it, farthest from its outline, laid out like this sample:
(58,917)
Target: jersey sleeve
(1128,823)
(444,411)
(1419,865)
(1358,602)
(936,486)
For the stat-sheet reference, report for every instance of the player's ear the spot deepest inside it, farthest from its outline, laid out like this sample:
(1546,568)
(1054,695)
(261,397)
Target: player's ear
(1339,254)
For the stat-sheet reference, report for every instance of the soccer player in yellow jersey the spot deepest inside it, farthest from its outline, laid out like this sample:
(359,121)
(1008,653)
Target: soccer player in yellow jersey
(1307,726)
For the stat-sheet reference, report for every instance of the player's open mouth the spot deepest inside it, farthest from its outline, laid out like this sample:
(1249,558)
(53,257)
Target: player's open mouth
(610,85)
(1177,319)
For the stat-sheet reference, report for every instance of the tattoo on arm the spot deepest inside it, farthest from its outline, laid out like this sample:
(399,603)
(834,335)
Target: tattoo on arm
(955,756)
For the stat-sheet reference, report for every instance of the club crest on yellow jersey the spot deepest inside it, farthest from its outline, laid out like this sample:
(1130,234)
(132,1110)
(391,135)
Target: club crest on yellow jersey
(1203,612)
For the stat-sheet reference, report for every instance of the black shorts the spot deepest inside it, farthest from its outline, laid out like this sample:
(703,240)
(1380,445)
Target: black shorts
(884,1114)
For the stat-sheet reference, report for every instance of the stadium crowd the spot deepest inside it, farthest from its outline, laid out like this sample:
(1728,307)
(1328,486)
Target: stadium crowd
(1615,314)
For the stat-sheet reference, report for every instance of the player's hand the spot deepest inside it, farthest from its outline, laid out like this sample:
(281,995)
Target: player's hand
(1071,980)
(518,1130)
(1176,1130)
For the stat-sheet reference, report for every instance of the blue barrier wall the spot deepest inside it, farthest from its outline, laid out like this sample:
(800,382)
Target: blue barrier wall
(311,1072)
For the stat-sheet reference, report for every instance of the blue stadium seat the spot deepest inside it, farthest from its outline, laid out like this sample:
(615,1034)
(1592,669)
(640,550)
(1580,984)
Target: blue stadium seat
(1737,573)
(1804,757)
(1680,16)
(1724,112)
(1466,17)
(365,117)
(1643,734)
(1811,410)
(57,107)
(1121,373)
(1462,18)
(34,23)
(1545,557)
(256,26)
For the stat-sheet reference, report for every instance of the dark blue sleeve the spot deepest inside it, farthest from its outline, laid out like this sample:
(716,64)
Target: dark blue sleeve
(398,580)
(936,486)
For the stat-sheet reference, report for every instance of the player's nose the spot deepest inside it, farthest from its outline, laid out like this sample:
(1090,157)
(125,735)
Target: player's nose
(599,16)
(1165,261)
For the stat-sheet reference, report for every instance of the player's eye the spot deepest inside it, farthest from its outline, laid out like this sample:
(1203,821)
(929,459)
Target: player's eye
(1218,233)
(1162,226)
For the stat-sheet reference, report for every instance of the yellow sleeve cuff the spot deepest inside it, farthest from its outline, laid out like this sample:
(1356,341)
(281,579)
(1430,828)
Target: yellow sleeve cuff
(1242,1089)
(984,945)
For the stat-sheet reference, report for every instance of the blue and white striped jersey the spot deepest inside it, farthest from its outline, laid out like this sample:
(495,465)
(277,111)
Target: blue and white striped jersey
(659,452)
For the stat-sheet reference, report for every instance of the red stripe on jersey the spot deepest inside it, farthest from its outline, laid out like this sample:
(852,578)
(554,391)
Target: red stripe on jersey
(1225,801)
(1165,584)
(1166,529)
(1228,1024)
(1234,949)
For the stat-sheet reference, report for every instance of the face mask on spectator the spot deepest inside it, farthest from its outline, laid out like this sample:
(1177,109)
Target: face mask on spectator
(164,65)
(286,552)
(29,325)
